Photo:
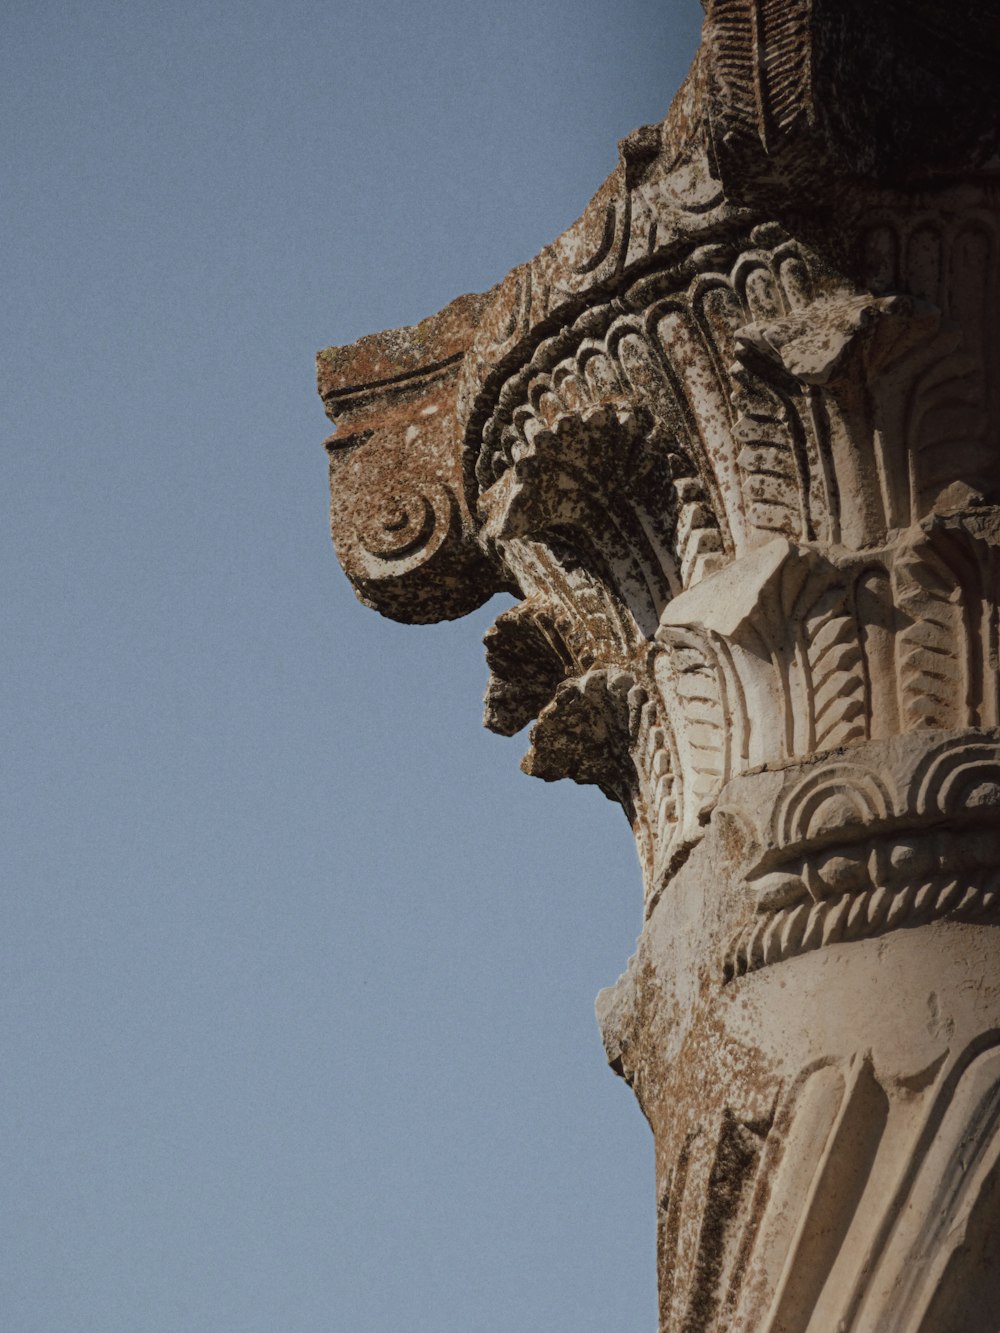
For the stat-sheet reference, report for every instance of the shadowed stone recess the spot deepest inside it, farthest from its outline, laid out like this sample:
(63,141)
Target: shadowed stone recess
(733,442)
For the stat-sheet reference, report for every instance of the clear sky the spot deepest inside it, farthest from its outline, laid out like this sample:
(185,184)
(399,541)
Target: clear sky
(297,970)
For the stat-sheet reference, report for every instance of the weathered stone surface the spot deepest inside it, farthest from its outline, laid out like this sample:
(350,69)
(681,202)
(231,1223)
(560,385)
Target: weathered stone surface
(734,442)
(401,521)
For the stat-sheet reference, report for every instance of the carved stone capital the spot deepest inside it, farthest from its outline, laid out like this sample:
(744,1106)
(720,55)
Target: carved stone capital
(733,442)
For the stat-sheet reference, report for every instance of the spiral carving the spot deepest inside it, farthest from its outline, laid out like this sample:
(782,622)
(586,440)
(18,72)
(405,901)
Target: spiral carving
(406,528)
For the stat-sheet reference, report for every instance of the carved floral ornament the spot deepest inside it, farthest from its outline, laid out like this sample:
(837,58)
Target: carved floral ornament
(733,442)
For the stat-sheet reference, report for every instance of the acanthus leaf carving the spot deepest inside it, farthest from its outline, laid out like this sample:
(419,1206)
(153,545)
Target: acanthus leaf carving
(930,659)
(832,663)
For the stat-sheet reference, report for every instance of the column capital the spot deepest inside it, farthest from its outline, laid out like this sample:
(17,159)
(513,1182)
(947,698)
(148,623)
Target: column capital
(733,442)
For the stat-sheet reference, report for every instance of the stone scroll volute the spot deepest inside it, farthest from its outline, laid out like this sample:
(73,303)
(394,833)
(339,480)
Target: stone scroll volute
(733,442)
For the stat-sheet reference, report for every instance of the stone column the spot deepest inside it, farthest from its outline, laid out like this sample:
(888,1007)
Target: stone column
(733,441)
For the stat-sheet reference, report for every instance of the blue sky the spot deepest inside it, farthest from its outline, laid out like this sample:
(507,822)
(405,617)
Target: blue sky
(298,969)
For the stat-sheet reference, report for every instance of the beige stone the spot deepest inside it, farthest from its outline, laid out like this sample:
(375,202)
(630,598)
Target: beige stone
(734,443)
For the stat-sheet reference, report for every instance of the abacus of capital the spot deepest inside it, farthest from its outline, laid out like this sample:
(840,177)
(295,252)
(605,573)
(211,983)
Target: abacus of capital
(733,442)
